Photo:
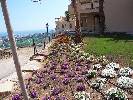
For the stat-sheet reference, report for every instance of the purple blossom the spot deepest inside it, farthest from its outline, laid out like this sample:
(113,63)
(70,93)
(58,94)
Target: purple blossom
(53,77)
(63,98)
(16,97)
(52,68)
(79,79)
(27,86)
(65,81)
(56,91)
(80,87)
(62,71)
(38,80)
(71,74)
(64,66)
(78,68)
(33,94)
(78,64)
(50,72)
(60,98)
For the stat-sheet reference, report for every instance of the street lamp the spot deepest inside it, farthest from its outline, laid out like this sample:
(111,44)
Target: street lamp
(47,28)
(47,31)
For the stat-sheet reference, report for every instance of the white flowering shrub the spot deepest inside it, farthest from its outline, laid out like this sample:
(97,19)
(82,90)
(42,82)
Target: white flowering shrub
(103,60)
(82,58)
(115,94)
(113,65)
(82,96)
(97,66)
(108,73)
(98,83)
(125,71)
(91,58)
(125,82)
(91,74)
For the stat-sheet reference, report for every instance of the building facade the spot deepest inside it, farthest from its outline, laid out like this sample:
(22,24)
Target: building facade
(62,25)
(88,15)
(118,15)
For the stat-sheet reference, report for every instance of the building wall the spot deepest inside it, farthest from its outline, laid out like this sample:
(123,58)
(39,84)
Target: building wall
(86,10)
(119,15)
(66,25)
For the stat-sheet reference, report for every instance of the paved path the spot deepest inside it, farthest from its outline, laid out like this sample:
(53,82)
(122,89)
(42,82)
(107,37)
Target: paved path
(7,65)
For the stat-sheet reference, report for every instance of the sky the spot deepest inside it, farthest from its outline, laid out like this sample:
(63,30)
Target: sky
(27,15)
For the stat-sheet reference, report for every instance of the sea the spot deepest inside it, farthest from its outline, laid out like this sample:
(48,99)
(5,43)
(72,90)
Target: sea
(25,33)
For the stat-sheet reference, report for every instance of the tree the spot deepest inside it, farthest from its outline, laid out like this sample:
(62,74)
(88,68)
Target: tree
(67,14)
(101,17)
(77,27)
(13,47)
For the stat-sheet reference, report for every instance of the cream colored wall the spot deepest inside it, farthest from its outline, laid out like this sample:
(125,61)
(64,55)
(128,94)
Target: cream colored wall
(84,8)
(66,26)
(119,15)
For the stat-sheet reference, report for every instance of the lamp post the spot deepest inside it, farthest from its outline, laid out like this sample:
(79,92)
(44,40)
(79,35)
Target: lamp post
(47,31)
(13,47)
(47,28)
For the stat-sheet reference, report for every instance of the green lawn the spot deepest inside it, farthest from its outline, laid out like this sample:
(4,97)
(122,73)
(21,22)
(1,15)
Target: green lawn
(115,46)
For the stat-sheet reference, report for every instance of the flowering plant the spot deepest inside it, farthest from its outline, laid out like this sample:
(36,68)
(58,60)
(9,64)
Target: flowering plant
(91,58)
(113,65)
(108,73)
(82,96)
(16,97)
(97,66)
(98,83)
(91,74)
(125,71)
(115,94)
(81,87)
(125,82)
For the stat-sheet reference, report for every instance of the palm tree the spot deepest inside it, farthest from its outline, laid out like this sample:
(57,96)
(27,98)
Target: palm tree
(13,47)
(101,17)
(77,27)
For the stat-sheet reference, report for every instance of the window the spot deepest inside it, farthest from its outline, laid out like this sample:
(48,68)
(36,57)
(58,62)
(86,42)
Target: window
(62,26)
(96,1)
(92,6)
(70,25)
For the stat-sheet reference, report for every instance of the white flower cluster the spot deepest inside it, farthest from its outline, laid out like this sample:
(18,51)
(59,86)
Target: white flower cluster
(108,73)
(102,59)
(98,83)
(92,72)
(97,66)
(109,70)
(77,52)
(115,94)
(113,65)
(125,71)
(91,58)
(125,82)
(82,96)
(75,47)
